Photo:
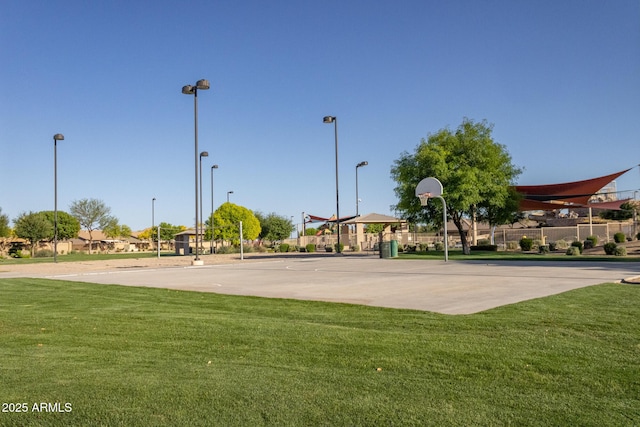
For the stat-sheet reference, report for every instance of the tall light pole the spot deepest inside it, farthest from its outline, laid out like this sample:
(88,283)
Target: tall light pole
(228,192)
(359,165)
(153,221)
(193,90)
(212,168)
(334,120)
(202,154)
(57,137)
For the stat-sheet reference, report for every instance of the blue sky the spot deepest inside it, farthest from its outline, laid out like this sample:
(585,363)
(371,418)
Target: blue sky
(560,82)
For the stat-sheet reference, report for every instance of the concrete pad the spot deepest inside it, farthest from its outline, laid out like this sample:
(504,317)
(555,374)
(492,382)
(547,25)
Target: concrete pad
(454,287)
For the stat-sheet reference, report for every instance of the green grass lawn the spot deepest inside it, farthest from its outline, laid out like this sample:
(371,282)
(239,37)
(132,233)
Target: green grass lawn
(81,256)
(141,356)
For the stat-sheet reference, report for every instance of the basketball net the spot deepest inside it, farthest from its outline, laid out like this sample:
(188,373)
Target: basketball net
(424,198)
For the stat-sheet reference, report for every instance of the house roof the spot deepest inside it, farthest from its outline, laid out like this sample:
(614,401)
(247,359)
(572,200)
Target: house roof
(374,218)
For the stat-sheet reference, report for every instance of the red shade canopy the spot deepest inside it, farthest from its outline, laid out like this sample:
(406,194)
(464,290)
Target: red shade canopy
(568,194)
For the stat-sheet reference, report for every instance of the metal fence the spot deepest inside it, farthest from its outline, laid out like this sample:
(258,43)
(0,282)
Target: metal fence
(502,236)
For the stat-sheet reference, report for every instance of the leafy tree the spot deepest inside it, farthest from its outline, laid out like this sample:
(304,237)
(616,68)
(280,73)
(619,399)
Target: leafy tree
(68,226)
(92,214)
(113,229)
(274,227)
(33,227)
(5,231)
(625,212)
(125,231)
(476,174)
(227,223)
(506,214)
(374,228)
(310,231)
(168,231)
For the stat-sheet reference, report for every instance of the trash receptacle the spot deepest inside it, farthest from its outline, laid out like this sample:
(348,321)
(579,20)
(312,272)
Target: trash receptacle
(394,248)
(385,249)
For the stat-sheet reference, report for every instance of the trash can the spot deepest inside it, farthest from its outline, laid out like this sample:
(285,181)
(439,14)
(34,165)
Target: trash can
(385,249)
(394,248)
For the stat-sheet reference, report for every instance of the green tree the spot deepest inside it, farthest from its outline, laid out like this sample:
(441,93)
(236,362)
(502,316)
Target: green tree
(310,231)
(167,231)
(68,226)
(92,214)
(227,223)
(625,212)
(114,229)
(374,228)
(507,214)
(476,174)
(274,227)
(5,230)
(33,227)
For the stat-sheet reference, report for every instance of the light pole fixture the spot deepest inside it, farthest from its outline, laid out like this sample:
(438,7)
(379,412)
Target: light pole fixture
(202,154)
(153,221)
(57,137)
(212,168)
(193,90)
(334,120)
(359,165)
(228,192)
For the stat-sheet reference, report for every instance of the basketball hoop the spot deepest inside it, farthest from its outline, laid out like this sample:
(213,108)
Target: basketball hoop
(424,198)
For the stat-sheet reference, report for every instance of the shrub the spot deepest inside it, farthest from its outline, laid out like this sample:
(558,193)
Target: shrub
(573,250)
(638,236)
(562,244)
(335,246)
(577,244)
(284,247)
(620,251)
(526,244)
(484,242)
(543,249)
(588,244)
(512,246)
(619,237)
(610,248)
(328,248)
(594,240)
(311,247)
(439,246)
(224,250)
(553,246)
(356,248)
(43,253)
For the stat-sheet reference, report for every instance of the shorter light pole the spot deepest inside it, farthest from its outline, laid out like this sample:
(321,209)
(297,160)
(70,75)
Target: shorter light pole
(153,222)
(202,154)
(212,168)
(228,192)
(57,137)
(359,165)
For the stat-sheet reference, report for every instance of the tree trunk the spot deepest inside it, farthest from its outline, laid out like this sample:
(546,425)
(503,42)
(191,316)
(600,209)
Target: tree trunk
(466,249)
(90,241)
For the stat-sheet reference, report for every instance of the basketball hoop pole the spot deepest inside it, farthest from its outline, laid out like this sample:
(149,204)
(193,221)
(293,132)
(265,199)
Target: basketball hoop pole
(429,188)
(444,222)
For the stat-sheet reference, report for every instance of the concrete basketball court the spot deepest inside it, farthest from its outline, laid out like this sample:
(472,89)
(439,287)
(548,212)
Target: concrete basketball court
(454,287)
